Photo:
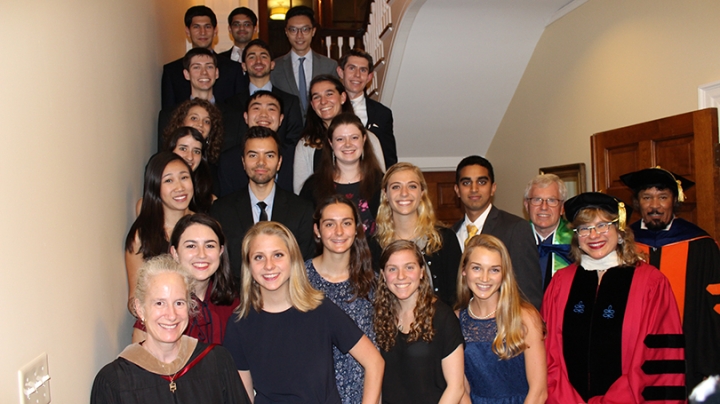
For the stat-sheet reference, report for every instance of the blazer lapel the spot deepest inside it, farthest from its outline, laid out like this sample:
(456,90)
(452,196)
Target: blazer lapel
(244,210)
(491,221)
(280,206)
(289,74)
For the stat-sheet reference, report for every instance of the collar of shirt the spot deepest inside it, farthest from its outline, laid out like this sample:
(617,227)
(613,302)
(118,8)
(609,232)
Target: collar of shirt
(307,64)
(462,233)
(236,54)
(268,201)
(212,99)
(539,239)
(266,87)
(360,108)
(667,228)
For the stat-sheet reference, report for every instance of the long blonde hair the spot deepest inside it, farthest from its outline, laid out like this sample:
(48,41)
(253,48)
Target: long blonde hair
(510,339)
(426,220)
(302,296)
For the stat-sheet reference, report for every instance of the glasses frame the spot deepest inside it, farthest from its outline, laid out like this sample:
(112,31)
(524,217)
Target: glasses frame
(591,228)
(557,201)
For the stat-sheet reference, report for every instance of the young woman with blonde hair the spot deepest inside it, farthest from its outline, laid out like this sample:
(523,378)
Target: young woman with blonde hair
(283,334)
(504,349)
(406,213)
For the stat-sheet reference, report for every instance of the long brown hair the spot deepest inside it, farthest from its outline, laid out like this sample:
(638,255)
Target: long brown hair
(510,339)
(369,167)
(315,131)
(386,303)
(362,276)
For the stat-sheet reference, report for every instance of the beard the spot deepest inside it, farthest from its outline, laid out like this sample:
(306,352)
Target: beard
(656,224)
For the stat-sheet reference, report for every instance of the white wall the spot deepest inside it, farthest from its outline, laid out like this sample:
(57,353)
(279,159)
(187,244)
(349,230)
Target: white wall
(80,83)
(606,65)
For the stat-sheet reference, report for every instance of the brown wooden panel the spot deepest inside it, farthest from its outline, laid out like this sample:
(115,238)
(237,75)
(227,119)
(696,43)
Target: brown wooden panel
(683,144)
(442,194)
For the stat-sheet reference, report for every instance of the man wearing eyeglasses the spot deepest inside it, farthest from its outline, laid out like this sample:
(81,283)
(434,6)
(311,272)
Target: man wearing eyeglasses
(242,25)
(294,70)
(690,259)
(544,197)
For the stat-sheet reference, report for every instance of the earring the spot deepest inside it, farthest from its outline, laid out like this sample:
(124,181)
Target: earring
(333,159)
(620,240)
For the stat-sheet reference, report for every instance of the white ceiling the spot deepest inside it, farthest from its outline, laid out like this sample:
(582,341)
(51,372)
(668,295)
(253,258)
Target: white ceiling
(462,62)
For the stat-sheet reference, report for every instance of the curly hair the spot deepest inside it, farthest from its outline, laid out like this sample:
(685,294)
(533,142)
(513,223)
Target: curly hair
(362,276)
(627,250)
(426,224)
(510,339)
(315,131)
(386,303)
(302,296)
(215,136)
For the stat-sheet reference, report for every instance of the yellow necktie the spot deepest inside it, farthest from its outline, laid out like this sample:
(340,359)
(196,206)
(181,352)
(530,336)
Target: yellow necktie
(472,231)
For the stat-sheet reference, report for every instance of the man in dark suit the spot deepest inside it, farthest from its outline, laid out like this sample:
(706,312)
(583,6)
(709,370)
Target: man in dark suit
(242,24)
(356,71)
(475,186)
(300,29)
(262,200)
(200,27)
(271,108)
(200,69)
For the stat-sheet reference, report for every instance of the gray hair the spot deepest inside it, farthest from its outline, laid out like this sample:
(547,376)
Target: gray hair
(161,264)
(544,181)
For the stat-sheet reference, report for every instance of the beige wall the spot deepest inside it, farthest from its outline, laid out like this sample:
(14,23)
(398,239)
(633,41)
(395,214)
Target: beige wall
(80,83)
(608,64)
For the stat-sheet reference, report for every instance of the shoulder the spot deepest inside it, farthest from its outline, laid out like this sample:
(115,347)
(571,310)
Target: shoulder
(173,66)
(509,218)
(530,316)
(444,314)
(282,59)
(456,226)
(298,203)
(230,201)
(324,59)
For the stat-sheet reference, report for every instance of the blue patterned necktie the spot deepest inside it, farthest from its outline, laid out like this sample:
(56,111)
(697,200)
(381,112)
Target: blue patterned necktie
(302,87)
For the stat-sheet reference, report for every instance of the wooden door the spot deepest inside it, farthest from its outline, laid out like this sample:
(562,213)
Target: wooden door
(442,194)
(684,144)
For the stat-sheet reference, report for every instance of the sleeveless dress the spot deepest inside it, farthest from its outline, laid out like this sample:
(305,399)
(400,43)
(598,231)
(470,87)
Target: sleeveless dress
(492,381)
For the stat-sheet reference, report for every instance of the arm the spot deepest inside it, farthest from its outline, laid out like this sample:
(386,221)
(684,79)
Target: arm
(138,206)
(247,382)
(133,260)
(167,92)
(526,262)
(466,396)
(453,367)
(368,356)
(377,148)
(535,361)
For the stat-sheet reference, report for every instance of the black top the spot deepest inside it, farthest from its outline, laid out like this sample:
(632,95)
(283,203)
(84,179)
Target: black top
(443,264)
(213,380)
(413,372)
(289,354)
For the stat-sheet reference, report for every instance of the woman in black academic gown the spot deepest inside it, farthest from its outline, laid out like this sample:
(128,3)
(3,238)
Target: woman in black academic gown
(168,367)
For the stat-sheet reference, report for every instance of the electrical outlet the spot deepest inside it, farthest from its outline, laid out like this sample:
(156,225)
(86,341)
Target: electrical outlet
(34,381)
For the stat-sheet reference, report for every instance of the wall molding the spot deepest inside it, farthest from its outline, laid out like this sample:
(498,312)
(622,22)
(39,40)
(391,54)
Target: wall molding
(434,163)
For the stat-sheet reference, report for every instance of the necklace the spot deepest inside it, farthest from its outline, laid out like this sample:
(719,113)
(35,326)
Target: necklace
(479,317)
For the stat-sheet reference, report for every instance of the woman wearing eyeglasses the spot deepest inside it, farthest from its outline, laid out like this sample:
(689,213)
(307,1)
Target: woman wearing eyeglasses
(613,327)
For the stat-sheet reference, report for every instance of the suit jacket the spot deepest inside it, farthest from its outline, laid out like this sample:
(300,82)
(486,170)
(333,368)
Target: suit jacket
(235,216)
(176,89)
(380,122)
(227,54)
(518,237)
(230,170)
(283,75)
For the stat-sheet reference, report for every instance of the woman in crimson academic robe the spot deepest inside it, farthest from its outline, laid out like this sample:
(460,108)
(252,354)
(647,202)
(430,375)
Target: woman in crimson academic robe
(613,327)
(168,367)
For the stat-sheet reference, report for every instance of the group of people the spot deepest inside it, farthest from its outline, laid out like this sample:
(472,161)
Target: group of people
(282,254)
